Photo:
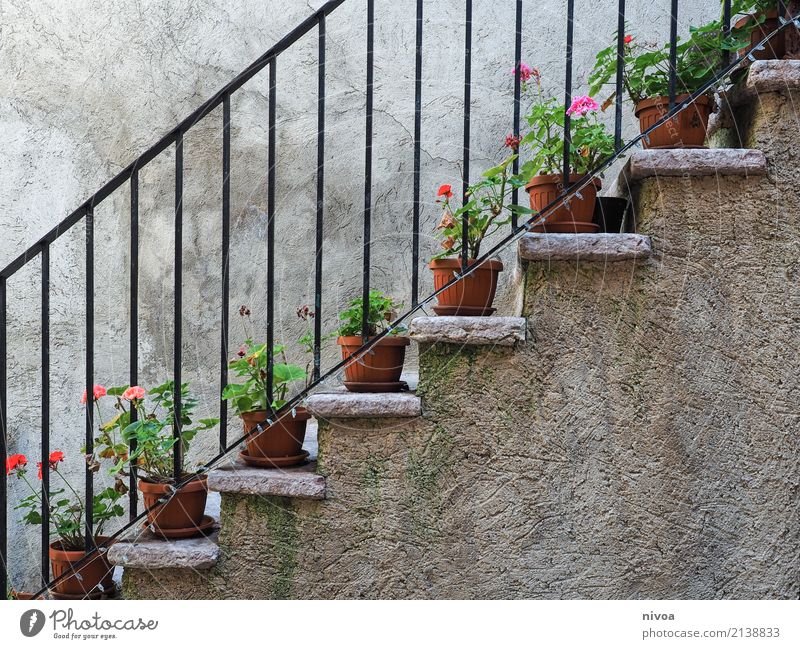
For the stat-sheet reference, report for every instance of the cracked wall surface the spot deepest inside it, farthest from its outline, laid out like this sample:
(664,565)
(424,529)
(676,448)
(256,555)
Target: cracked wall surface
(86,86)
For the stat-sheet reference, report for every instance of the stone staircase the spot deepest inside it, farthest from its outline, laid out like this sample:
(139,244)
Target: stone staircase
(633,434)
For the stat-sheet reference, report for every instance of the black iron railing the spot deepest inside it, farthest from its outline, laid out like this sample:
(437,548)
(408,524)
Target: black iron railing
(175,137)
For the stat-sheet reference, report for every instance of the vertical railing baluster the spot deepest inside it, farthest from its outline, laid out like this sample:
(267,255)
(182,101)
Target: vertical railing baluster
(226,229)
(320,202)
(620,76)
(368,168)
(3,438)
(726,17)
(89,501)
(568,92)
(673,53)
(133,342)
(177,351)
(517,101)
(273,70)
(417,158)
(45,513)
(467,137)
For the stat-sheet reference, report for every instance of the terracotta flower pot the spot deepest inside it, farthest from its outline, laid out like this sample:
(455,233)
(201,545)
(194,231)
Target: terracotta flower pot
(88,578)
(544,189)
(283,439)
(473,295)
(184,510)
(379,369)
(775,47)
(21,595)
(684,131)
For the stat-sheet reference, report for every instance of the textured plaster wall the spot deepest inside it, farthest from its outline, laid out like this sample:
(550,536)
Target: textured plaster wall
(642,444)
(85,86)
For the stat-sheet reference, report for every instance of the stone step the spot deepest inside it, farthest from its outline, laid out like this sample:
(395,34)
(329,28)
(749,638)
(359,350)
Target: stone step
(145,550)
(364,405)
(766,76)
(691,163)
(584,247)
(292,482)
(464,330)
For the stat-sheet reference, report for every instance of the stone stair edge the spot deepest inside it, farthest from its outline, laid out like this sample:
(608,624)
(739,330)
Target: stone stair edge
(605,247)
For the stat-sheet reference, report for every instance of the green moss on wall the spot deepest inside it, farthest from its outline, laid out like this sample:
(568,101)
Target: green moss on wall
(425,470)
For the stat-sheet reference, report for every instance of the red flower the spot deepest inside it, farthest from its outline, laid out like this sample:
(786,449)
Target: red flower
(446,191)
(134,393)
(53,460)
(14,462)
(99,391)
(242,351)
(628,39)
(512,142)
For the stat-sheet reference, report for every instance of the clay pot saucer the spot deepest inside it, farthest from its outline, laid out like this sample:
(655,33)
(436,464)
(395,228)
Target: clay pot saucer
(392,386)
(204,526)
(464,310)
(570,227)
(274,462)
(687,146)
(94,595)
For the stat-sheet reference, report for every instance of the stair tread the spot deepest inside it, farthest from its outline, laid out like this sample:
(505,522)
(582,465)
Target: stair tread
(766,76)
(649,163)
(469,330)
(151,552)
(146,550)
(604,247)
(293,482)
(364,405)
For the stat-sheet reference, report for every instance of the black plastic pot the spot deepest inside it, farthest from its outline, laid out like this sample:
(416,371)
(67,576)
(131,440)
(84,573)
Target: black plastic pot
(609,213)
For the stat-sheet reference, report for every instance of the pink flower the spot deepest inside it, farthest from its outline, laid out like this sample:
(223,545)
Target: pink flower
(582,105)
(242,351)
(524,71)
(133,393)
(512,142)
(99,391)
(628,39)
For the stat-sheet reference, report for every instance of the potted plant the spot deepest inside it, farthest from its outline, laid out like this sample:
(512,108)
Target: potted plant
(589,144)
(646,73)
(172,513)
(276,443)
(759,21)
(486,211)
(379,369)
(67,513)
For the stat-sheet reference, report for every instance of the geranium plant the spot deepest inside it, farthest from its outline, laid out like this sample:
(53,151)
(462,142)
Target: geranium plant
(66,507)
(152,430)
(646,65)
(590,140)
(382,310)
(485,209)
(250,365)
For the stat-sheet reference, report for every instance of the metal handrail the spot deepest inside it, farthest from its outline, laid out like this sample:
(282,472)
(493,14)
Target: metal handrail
(223,97)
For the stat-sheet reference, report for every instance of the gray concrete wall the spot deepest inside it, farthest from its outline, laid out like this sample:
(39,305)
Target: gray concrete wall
(86,85)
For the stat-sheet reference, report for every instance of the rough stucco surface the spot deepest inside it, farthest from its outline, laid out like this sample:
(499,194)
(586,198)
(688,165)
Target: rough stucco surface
(86,86)
(642,444)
